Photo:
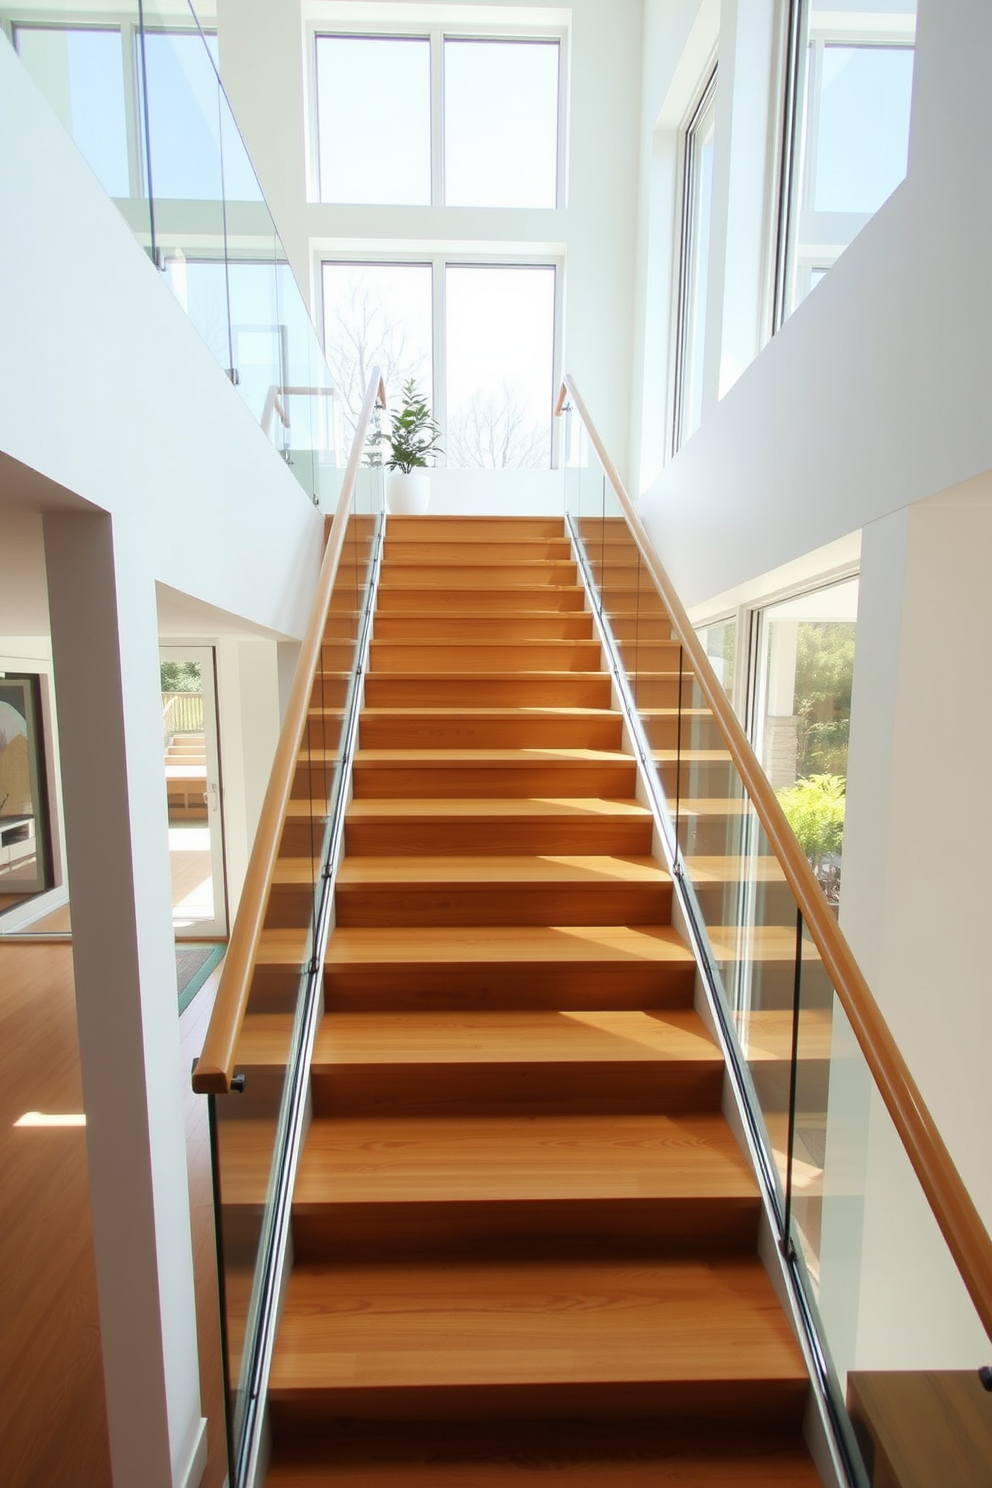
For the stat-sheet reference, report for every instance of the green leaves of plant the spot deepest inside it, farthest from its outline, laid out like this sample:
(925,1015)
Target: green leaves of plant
(414,433)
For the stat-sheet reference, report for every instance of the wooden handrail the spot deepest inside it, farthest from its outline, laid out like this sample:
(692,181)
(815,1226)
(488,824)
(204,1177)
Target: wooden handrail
(959,1221)
(215,1067)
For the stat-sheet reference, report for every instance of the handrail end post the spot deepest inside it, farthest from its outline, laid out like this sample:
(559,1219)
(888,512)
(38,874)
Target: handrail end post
(209,1080)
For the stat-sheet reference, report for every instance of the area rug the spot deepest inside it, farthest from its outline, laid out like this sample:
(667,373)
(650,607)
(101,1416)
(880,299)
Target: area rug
(194,963)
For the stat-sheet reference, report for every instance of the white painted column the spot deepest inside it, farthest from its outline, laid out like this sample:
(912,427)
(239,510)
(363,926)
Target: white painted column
(105,652)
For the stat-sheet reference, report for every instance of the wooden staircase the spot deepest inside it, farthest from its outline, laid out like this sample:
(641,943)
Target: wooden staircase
(524,1235)
(186,777)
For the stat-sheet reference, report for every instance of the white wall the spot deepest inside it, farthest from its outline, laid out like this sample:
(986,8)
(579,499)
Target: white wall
(263,63)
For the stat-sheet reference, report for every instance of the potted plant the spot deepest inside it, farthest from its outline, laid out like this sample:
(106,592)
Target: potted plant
(412,438)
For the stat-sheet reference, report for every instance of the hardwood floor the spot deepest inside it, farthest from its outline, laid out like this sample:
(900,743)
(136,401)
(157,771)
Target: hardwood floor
(52,1404)
(524,1236)
(51,1373)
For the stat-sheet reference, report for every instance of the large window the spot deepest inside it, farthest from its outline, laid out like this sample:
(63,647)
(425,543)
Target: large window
(466,121)
(92,78)
(694,252)
(847,146)
(478,338)
(802,716)
(81,73)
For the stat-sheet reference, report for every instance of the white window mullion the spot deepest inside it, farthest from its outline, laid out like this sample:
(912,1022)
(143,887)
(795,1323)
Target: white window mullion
(437,117)
(557,364)
(440,390)
(132,104)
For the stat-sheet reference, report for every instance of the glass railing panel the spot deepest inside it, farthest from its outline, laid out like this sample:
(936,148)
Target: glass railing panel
(899,1331)
(88,70)
(743,908)
(142,98)
(252,1129)
(184,170)
(743,904)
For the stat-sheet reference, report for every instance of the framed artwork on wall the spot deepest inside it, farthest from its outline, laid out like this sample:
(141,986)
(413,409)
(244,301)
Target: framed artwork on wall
(25,845)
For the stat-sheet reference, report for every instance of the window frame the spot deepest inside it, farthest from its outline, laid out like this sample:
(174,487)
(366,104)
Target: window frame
(127,28)
(687,266)
(796,259)
(436,34)
(438,261)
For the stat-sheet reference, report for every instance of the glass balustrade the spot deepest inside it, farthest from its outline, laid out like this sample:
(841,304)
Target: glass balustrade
(254,1130)
(141,96)
(889,1314)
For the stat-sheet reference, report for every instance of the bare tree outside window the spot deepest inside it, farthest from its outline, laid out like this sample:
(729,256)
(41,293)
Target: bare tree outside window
(376,315)
(497,432)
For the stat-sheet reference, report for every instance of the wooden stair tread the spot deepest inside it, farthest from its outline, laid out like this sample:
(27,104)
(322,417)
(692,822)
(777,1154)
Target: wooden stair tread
(724,869)
(520,758)
(673,1321)
(522,710)
(765,1034)
(506,945)
(544,674)
(536,624)
(480,1037)
(492,808)
(490,870)
(759,943)
(531,1037)
(503,1159)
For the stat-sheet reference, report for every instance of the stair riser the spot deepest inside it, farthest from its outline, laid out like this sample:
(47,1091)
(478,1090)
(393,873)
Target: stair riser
(477,530)
(666,733)
(515,987)
(451,551)
(440,838)
(330,687)
(641,655)
(274,989)
(654,691)
(748,1401)
(773,904)
(509,1088)
(562,1454)
(468,658)
(771,984)
(562,691)
(477,600)
(259,1101)
(406,576)
(506,628)
(289,906)
(337,655)
(692,779)
(712,835)
(341,629)
(533,732)
(301,839)
(497,904)
(323,730)
(446,781)
(387,1232)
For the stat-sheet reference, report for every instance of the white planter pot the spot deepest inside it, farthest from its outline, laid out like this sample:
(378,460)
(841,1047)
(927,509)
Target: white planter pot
(408,493)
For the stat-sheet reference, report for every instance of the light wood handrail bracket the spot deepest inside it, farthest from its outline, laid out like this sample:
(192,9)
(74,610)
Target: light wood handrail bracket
(215,1067)
(959,1221)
